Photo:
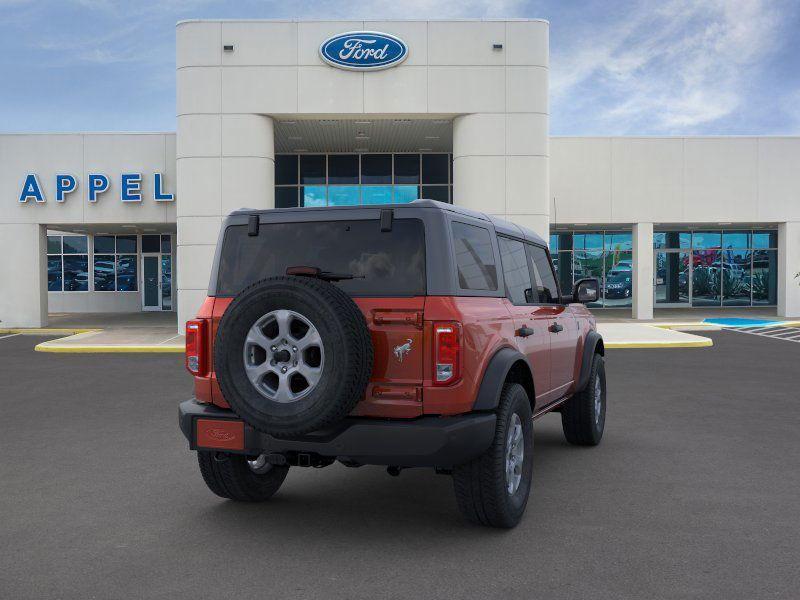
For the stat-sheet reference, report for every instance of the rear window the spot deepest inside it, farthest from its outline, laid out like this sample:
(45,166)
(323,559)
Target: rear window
(387,263)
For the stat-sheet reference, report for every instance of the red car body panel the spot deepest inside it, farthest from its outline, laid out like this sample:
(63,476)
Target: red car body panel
(401,386)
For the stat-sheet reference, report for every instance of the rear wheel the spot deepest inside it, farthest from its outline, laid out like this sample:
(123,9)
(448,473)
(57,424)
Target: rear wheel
(493,489)
(583,417)
(247,479)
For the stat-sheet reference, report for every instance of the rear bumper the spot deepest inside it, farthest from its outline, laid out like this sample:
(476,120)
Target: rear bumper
(424,442)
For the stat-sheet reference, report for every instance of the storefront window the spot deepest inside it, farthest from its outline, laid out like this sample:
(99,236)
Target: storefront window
(343,169)
(672,239)
(376,168)
(672,278)
(718,268)
(434,168)
(343,195)
(314,195)
(312,168)
(406,168)
(366,179)
(606,255)
(67,263)
(376,194)
(765,277)
(116,271)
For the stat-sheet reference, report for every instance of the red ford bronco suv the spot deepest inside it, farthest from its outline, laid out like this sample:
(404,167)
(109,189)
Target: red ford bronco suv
(414,335)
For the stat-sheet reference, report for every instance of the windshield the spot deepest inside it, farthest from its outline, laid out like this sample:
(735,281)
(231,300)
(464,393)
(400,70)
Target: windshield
(618,276)
(388,263)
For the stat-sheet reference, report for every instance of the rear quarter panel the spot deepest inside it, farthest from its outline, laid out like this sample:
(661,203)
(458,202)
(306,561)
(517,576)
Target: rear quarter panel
(586,323)
(487,326)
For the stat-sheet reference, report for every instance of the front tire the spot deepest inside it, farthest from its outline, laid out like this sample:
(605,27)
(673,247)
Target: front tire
(493,489)
(235,477)
(583,417)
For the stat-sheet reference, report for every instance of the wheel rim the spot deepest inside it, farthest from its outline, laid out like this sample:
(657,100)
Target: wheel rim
(284,356)
(598,400)
(515,454)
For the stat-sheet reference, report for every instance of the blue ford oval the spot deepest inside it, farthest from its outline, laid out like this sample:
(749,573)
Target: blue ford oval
(363,50)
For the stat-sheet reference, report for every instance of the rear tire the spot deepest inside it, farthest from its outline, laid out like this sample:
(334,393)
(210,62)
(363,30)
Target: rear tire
(484,486)
(230,476)
(583,417)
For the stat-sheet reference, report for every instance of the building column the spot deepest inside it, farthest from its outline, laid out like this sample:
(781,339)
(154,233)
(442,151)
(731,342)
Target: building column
(225,162)
(788,268)
(501,167)
(23,271)
(642,276)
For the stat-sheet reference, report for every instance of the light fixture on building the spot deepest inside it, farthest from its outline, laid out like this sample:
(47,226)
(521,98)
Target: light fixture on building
(361,150)
(288,122)
(426,149)
(301,150)
(363,122)
(497,46)
(432,137)
(228,47)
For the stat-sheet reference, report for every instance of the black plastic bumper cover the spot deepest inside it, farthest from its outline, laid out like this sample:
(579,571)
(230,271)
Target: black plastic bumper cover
(424,442)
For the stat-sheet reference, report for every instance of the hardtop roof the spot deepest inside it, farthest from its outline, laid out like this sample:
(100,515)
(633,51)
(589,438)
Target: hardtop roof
(501,225)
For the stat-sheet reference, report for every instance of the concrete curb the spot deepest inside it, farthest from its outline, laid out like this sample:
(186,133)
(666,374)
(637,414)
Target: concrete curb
(46,331)
(704,343)
(61,349)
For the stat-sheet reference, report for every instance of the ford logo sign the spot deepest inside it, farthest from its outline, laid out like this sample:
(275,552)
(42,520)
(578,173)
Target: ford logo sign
(363,50)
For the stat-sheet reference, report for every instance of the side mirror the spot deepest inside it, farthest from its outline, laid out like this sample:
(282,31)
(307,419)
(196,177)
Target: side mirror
(586,290)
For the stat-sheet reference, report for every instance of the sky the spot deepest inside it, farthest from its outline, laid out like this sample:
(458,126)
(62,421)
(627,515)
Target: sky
(668,67)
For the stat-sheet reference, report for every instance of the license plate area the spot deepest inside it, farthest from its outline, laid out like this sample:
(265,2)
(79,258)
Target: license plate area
(219,434)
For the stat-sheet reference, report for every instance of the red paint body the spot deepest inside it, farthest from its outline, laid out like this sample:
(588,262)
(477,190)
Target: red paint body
(403,387)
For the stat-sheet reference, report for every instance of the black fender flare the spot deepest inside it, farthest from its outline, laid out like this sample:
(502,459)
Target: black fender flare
(593,345)
(495,376)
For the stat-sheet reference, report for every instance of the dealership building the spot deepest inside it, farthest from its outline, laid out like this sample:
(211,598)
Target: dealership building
(274,114)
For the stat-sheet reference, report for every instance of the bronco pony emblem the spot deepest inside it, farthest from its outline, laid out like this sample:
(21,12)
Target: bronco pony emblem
(402,350)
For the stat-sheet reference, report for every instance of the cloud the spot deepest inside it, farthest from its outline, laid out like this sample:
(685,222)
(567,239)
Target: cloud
(672,68)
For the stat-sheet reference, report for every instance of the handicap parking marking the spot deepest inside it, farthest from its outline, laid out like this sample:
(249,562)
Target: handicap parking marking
(789,333)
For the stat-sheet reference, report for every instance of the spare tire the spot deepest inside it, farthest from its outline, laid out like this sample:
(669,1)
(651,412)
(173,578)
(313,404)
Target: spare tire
(292,355)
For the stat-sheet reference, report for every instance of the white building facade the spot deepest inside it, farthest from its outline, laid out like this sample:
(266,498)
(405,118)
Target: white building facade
(268,116)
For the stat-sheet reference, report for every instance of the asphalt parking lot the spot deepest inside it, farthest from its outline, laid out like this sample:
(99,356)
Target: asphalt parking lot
(694,493)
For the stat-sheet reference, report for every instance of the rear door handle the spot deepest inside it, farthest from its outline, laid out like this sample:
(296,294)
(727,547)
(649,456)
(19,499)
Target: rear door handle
(555,328)
(524,331)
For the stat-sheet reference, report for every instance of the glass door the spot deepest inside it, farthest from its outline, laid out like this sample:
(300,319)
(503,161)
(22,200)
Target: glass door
(672,271)
(151,282)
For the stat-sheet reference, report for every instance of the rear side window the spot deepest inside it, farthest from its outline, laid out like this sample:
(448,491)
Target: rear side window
(515,271)
(543,273)
(388,263)
(474,257)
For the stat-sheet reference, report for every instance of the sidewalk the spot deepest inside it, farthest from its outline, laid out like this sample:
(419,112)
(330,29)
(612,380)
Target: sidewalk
(109,332)
(643,335)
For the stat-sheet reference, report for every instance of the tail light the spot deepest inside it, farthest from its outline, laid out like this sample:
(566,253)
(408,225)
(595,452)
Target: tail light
(196,347)
(446,353)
